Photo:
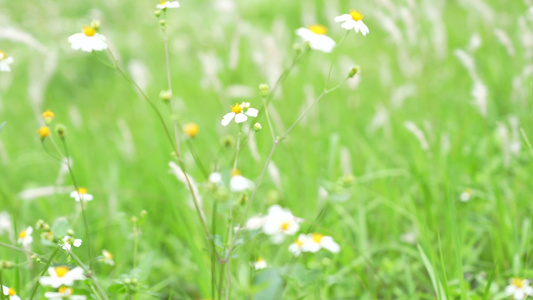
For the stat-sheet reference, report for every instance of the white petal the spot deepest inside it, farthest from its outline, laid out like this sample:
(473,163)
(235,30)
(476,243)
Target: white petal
(240,183)
(362,26)
(77,243)
(277,239)
(252,112)
(343,18)
(240,117)
(227,118)
(215,177)
(349,25)
(328,243)
(173,4)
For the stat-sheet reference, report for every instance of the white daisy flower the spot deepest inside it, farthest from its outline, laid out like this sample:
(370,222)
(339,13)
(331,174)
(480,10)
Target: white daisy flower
(316,36)
(317,241)
(88,39)
(62,276)
(466,195)
(5,222)
(69,241)
(260,264)
(81,193)
(64,293)
(108,257)
(7,291)
(240,112)
(279,223)
(167,4)
(255,223)
(519,288)
(239,183)
(353,20)
(215,178)
(25,238)
(297,247)
(5,61)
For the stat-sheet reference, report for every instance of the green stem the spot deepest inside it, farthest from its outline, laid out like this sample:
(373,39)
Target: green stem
(82,203)
(2,296)
(36,286)
(89,274)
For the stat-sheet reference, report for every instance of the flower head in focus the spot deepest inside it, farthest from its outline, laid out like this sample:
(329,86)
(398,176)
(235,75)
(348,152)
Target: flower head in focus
(167,4)
(5,61)
(519,289)
(25,238)
(279,223)
(260,264)
(64,293)
(108,257)
(240,112)
(316,36)
(43,132)
(69,241)
(88,39)
(81,194)
(353,20)
(62,276)
(7,291)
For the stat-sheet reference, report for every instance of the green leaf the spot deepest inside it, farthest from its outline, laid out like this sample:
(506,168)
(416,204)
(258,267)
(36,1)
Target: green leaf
(117,289)
(269,283)
(60,228)
(299,273)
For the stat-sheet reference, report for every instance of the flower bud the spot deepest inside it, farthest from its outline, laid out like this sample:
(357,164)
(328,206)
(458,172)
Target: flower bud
(48,116)
(228,141)
(165,95)
(297,47)
(163,23)
(95,24)
(257,127)
(61,130)
(354,71)
(6,265)
(134,219)
(191,129)
(264,89)
(157,13)
(70,232)
(43,132)
(144,213)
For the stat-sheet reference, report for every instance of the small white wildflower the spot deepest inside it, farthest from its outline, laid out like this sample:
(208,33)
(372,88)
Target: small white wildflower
(239,183)
(69,241)
(215,178)
(260,264)
(316,36)
(316,241)
(240,112)
(353,20)
(81,193)
(5,61)
(64,293)
(7,291)
(167,4)
(108,257)
(62,276)
(466,195)
(25,238)
(88,40)
(297,247)
(279,223)
(519,288)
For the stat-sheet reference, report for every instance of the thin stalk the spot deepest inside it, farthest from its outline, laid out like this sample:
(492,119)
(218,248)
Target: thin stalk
(272,132)
(43,272)
(23,250)
(89,273)
(2,296)
(135,244)
(82,204)
(228,267)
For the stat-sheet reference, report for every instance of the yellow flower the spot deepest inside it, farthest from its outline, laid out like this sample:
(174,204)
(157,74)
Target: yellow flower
(191,129)
(48,116)
(43,132)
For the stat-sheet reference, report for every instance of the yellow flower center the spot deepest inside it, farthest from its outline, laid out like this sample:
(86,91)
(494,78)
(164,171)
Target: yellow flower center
(299,242)
(235,172)
(356,16)
(260,260)
(191,129)
(519,283)
(285,226)
(2,55)
(11,292)
(22,234)
(65,290)
(48,114)
(82,191)
(318,29)
(61,271)
(236,108)
(317,237)
(43,131)
(108,255)
(161,2)
(89,30)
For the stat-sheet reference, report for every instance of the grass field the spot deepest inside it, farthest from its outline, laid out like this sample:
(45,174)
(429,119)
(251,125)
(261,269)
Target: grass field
(418,166)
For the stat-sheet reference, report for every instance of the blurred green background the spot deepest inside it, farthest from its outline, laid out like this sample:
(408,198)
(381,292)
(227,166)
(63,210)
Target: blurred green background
(383,180)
